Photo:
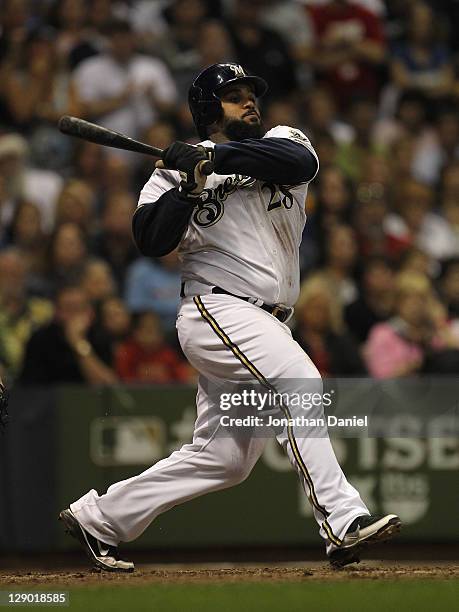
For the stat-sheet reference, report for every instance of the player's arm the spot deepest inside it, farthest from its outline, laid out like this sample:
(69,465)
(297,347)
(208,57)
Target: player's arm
(158,226)
(165,204)
(275,159)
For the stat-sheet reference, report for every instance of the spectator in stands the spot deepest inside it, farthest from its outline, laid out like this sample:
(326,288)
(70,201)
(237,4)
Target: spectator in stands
(401,158)
(37,88)
(334,197)
(450,182)
(178,44)
(375,301)
(155,286)
(14,18)
(114,243)
(333,206)
(326,149)
(122,89)
(339,264)
(20,315)
(450,212)
(422,61)
(76,205)
(376,175)
(293,24)
(370,212)
(145,357)
(20,181)
(322,116)
(106,175)
(416,224)
(320,332)
(97,281)
(282,111)
(213,46)
(441,149)
(353,154)
(113,320)
(449,287)
(160,135)
(415,261)
(67,257)
(89,165)
(349,49)
(410,120)
(415,337)
(68,350)
(261,50)
(117,177)
(75,41)
(27,236)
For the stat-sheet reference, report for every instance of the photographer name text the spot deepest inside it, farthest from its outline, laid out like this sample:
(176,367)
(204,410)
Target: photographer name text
(298,421)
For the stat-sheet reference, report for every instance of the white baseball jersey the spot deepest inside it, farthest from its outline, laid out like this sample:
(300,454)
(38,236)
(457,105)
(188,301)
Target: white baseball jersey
(244,234)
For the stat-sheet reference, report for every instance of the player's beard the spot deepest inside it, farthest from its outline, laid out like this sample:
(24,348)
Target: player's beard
(237,129)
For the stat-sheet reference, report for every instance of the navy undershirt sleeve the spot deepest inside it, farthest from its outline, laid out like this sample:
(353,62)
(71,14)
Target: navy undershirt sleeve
(276,160)
(158,227)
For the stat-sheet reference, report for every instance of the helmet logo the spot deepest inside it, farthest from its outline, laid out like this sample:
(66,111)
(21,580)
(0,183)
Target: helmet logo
(237,69)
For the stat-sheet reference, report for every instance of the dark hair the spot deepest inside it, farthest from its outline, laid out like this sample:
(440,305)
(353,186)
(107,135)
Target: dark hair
(446,107)
(66,287)
(43,33)
(136,318)
(412,96)
(117,26)
(447,266)
(370,262)
(22,203)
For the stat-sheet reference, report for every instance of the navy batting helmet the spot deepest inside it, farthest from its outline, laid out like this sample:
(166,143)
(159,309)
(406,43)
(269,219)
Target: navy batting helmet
(203,100)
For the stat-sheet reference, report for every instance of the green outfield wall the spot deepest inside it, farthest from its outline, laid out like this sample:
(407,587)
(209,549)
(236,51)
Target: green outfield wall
(63,442)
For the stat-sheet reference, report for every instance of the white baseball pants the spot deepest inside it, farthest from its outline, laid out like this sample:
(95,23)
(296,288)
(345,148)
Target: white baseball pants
(229,340)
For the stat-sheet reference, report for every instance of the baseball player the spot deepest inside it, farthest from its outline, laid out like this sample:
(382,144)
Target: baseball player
(238,232)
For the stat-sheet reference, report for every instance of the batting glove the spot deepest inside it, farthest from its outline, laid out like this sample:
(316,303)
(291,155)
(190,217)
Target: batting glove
(191,161)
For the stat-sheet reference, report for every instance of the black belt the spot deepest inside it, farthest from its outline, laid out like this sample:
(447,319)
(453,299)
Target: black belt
(280,313)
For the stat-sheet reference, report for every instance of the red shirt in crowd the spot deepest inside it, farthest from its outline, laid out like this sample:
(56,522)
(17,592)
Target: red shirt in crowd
(161,366)
(350,22)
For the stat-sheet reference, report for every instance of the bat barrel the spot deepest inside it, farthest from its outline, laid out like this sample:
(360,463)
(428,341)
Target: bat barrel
(74,126)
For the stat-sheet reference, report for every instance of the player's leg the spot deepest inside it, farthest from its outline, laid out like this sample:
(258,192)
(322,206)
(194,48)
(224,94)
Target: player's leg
(266,350)
(213,460)
(207,464)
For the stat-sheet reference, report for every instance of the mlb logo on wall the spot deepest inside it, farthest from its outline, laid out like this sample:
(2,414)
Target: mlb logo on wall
(127,440)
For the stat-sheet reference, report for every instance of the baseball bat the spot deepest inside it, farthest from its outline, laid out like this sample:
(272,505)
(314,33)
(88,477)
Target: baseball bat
(74,126)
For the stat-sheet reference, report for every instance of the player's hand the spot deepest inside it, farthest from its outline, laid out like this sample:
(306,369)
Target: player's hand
(188,160)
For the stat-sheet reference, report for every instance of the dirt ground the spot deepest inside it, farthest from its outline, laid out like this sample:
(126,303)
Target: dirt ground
(228,573)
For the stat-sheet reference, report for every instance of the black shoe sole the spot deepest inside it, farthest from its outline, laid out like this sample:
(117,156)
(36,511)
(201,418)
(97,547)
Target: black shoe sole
(341,558)
(73,528)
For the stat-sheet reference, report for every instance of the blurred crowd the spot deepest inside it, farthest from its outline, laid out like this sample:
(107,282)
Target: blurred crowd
(375,86)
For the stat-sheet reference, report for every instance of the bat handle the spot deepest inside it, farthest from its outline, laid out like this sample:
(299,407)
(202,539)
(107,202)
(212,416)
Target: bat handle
(206,167)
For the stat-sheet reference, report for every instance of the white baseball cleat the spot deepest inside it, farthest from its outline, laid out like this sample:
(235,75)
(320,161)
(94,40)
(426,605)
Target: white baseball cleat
(364,531)
(102,556)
